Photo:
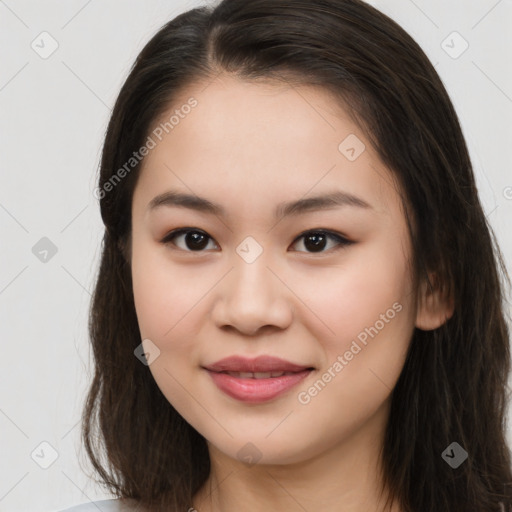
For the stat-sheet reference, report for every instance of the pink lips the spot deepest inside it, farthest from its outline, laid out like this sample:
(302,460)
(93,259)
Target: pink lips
(256,390)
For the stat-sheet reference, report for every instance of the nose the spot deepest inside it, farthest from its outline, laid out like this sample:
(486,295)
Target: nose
(252,299)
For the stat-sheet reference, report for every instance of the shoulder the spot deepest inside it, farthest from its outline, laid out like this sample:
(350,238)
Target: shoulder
(111,505)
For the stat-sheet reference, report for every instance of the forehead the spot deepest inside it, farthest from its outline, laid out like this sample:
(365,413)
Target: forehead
(262,142)
(231,110)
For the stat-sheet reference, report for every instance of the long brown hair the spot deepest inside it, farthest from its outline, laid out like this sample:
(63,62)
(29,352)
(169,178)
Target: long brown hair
(453,385)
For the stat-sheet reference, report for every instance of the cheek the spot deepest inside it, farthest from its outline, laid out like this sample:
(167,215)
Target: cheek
(171,301)
(349,297)
(368,320)
(167,303)
(163,294)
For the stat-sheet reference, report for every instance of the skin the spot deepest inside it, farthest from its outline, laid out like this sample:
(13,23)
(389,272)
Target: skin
(248,147)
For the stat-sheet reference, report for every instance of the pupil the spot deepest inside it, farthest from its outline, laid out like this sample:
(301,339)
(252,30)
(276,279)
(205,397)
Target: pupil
(318,241)
(193,240)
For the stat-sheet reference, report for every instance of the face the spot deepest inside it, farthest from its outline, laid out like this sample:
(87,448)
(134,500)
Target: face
(327,288)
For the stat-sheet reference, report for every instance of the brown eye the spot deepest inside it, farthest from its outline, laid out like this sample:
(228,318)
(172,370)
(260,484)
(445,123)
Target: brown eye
(316,241)
(195,240)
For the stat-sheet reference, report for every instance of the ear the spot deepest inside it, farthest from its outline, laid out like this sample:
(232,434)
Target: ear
(434,305)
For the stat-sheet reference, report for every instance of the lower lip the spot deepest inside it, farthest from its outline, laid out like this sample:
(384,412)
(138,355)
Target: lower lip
(256,390)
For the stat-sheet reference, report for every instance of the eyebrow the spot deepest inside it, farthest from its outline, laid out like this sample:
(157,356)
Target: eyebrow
(321,202)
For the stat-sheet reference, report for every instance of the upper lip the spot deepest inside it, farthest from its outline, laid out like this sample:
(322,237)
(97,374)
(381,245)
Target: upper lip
(264,363)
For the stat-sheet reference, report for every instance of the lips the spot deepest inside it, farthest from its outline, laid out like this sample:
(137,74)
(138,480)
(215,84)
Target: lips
(261,367)
(256,380)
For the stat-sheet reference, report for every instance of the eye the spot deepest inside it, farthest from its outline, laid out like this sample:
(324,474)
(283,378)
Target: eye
(316,240)
(195,239)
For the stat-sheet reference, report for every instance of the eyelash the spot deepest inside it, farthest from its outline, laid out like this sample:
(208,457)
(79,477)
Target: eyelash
(342,241)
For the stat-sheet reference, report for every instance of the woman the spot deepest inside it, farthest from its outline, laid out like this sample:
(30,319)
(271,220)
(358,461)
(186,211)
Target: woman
(299,303)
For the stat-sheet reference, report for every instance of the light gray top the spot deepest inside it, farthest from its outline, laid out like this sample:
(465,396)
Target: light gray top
(111,505)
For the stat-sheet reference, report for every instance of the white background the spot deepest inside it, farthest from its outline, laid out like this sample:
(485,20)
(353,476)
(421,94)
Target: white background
(54,114)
